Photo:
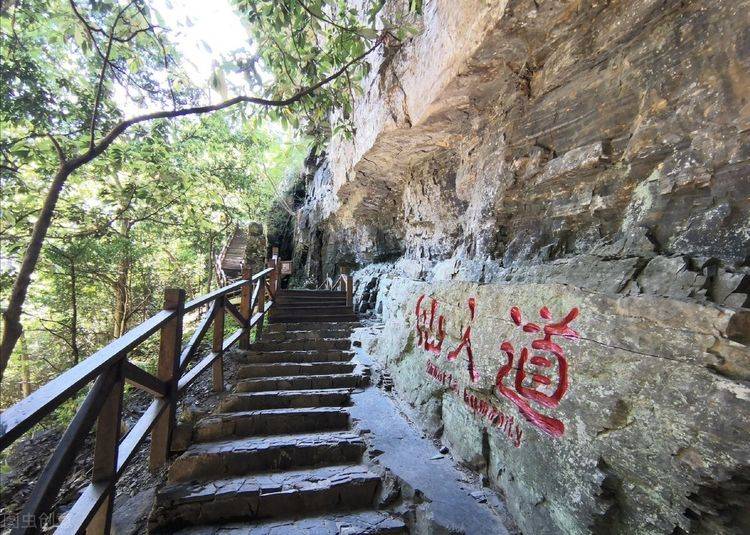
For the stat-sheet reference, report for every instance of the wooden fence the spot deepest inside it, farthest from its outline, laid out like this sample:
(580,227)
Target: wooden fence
(109,369)
(344,282)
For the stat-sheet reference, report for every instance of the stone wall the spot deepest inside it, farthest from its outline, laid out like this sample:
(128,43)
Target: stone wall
(645,427)
(568,154)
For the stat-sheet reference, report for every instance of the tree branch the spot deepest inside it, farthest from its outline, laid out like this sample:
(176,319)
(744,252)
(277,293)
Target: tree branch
(159,41)
(103,72)
(122,126)
(12,328)
(90,28)
(58,149)
(329,21)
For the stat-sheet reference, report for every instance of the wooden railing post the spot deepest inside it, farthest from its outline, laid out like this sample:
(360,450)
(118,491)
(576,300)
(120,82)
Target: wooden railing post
(105,451)
(218,346)
(348,287)
(274,280)
(261,306)
(110,369)
(168,371)
(277,269)
(246,296)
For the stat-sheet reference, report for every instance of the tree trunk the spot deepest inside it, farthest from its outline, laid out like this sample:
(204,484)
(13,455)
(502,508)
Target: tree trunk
(210,267)
(120,315)
(25,372)
(74,314)
(121,299)
(12,328)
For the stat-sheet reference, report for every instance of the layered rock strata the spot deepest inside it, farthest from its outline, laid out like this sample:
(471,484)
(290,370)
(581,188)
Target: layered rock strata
(570,155)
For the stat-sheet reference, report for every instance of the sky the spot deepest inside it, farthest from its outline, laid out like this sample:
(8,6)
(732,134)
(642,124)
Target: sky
(193,23)
(211,21)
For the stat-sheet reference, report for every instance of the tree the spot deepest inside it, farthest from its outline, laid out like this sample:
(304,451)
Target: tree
(61,72)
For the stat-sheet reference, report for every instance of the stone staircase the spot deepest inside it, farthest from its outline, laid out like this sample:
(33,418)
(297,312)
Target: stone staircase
(280,455)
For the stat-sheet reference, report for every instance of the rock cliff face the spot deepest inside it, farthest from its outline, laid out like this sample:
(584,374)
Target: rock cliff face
(523,161)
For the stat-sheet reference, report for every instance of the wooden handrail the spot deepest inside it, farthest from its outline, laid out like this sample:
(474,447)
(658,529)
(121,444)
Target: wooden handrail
(211,296)
(19,418)
(110,368)
(226,290)
(344,282)
(57,466)
(347,285)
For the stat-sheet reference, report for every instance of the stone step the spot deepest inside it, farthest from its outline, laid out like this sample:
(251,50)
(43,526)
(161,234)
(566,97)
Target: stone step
(310,318)
(302,345)
(286,399)
(330,334)
(360,523)
(310,310)
(269,357)
(311,326)
(243,456)
(301,382)
(270,422)
(292,302)
(311,293)
(293,368)
(265,496)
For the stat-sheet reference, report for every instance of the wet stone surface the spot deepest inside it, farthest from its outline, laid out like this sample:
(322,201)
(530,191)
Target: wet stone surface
(281,455)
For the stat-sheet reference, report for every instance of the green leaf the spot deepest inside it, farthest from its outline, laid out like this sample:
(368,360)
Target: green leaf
(134,64)
(369,33)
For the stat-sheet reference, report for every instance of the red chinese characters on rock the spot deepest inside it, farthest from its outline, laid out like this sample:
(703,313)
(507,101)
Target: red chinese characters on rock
(541,371)
(548,355)
(429,336)
(465,344)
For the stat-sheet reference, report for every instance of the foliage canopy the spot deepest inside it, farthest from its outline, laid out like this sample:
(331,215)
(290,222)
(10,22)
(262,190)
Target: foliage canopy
(100,212)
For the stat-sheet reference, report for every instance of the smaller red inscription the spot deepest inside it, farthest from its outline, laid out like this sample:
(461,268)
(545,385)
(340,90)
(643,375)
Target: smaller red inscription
(496,417)
(484,409)
(442,376)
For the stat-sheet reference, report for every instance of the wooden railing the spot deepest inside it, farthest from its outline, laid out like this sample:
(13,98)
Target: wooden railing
(109,369)
(344,283)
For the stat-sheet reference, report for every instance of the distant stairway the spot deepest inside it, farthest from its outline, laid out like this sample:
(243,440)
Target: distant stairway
(280,455)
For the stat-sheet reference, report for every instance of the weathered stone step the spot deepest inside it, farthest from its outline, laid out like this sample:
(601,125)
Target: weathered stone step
(302,345)
(311,293)
(312,326)
(361,523)
(293,368)
(291,302)
(301,382)
(243,456)
(270,357)
(311,309)
(286,399)
(270,422)
(292,308)
(330,334)
(309,318)
(275,495)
